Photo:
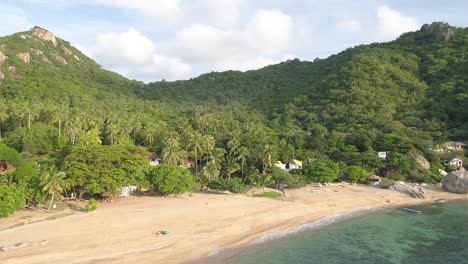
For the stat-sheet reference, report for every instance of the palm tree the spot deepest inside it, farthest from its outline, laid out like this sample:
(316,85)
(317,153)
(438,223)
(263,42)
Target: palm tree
(58,116)
(231,166)
(72,130)
(208,145)
(217,156)
(242,158)
(112,132)
(149,135)
(211,171)
(195,143)
(172,153)
(52,181)
(267,159)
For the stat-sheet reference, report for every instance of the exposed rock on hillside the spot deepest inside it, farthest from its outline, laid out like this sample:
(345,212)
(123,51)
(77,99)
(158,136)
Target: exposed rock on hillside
(41,54)
(67,51)
(1,77)
(13,74)
(456,181)
(3,58)
(37,52)
(24,56)
(59,58)
(44,34)
(422,161)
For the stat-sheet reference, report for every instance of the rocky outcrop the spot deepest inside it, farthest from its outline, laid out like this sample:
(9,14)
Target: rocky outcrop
(76,57)
(46,60)
(3,46)
(23,245)
(3,58)
(456,181)
(1,77)
(442,172)
(419,159)
(413,191)
(67,51)
(24,56)
(13,74)
(37,52)
(59,58)
(44,35)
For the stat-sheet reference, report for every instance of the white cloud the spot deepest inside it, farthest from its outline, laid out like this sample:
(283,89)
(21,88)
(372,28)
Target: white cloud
(267,35)
(270,31)
(130,47)
(133,54)
(163,67)
(14,19)
(392,23)
(350,25)
(169,10)
(222,12)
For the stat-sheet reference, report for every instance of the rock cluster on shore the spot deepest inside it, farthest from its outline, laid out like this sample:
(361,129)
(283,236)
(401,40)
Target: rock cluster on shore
(413,191)
(456,181)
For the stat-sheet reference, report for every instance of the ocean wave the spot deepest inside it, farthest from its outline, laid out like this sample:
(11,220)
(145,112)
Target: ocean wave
(328,220)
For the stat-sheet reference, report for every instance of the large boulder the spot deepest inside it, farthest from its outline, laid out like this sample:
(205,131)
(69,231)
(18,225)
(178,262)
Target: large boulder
(413,191)
(3,58)
(422,161)
(24,56)
(456,181)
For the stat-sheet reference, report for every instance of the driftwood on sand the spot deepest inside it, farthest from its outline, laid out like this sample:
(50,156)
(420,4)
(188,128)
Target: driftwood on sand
(22,245)
(413,191)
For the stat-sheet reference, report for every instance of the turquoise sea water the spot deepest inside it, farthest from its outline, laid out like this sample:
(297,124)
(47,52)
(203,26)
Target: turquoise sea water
(439,234)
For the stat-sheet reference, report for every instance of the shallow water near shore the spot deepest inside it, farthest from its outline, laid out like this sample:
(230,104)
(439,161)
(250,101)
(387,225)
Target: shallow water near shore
(439,234)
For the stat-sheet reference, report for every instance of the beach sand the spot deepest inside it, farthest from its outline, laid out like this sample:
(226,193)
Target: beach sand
(125,231)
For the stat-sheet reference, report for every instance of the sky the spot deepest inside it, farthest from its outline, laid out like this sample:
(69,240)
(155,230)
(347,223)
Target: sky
(151,40)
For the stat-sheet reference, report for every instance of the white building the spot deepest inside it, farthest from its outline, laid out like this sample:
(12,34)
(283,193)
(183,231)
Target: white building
(290,165)
(382,154)
(154,160)
(455,163)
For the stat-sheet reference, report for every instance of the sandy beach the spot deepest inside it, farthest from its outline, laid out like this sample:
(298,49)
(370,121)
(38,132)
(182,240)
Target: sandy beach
(125,231)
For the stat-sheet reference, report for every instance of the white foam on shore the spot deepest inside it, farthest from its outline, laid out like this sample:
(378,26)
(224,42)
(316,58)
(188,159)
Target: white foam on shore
(304,227)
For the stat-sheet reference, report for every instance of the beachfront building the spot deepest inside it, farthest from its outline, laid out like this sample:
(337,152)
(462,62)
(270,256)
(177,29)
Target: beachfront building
(374,180)
(187,164)
(154,160)
(3,167)
(280,165)
(294,165)
(456,163)
(127,191)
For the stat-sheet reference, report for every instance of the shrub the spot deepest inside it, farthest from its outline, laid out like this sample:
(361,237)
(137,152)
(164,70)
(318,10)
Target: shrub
(291,180)
(357,174)
(91,205)
(386,183)
(269,194)
(167,179)
(321,171)
(12,198)
(234,185)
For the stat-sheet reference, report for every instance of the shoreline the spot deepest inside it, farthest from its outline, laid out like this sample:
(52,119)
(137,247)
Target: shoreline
(201,223)
(217,255)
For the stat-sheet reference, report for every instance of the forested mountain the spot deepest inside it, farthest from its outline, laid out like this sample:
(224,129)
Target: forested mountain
(61,109)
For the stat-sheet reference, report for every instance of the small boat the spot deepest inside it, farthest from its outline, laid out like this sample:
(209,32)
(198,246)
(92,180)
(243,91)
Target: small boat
(411,210)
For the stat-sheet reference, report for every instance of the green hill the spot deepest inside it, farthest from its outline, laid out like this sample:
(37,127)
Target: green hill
(405,96)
